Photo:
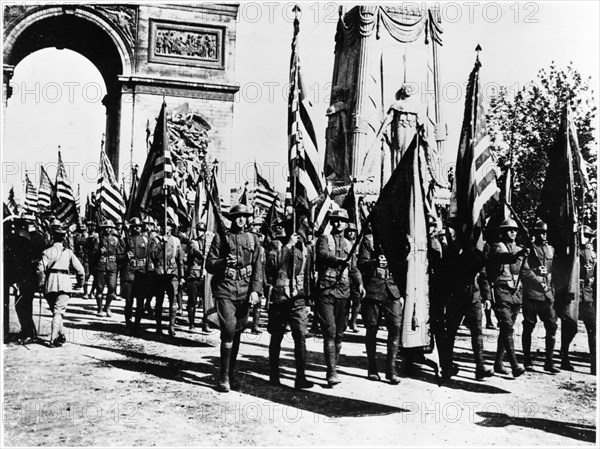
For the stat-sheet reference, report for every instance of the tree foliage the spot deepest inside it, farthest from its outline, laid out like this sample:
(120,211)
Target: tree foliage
(524,126)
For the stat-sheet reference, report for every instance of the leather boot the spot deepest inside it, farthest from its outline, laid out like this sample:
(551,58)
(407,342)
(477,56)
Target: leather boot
(256,319)
(498,365)
(481,371)
(568,331)
(274,350)
(592,345)
(223,383)
(354,316)
(192,318)
(371,347)
(107,306)
(235,384)
(509,346)
(99,305)
(391,371)
(527,350)
(549,365)
(172,318)
(300,358)
(330,361)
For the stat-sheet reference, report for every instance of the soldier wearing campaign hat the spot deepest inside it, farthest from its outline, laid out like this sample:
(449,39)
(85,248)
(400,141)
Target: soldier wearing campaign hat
(538,298)
(335,275)
(108,252)
(351,234)
(194,277)
(235,262)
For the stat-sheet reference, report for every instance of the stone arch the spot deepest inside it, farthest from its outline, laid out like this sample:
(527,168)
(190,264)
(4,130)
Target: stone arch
(30,18)
(92,32)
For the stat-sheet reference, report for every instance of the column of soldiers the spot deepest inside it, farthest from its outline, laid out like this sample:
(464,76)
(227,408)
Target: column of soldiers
(244,266)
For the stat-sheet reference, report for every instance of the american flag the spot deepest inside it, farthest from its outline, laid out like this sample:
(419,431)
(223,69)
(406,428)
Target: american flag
(64,192)
(475,190)
(264,195)
(45,190)
(307,180)
(31,197)
(110,198)
(157,179)
(64,200)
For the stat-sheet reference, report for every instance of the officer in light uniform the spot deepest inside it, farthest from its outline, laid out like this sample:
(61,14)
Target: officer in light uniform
(54,269)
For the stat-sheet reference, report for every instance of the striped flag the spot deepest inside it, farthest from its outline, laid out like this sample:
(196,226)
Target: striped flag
(110,198)
(307,180)
(475,192)
(157,175)
(64,200)
(44,191)
(64,192)
(31,196)
(321,224)
(264,195)
(135,180)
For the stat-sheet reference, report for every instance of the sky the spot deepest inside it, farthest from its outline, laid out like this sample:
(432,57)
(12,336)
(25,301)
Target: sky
(57,93)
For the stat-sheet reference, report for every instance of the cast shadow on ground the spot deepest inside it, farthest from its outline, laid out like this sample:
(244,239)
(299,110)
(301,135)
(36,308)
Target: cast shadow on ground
(205,374)
(581,432)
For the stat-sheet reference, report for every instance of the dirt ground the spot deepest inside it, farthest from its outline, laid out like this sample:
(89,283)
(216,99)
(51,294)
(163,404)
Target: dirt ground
(107,389)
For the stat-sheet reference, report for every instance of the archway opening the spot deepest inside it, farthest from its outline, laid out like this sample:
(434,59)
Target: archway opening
(57,99)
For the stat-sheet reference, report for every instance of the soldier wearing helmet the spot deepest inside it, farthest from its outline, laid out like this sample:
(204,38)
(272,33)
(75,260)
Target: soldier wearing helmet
(108,252)
(256,229)
(506,276)
(538,298)
(194,277)
(586,306)
(288,301)
(89,262)
(54,269)
(333,301)
(351,234)
(235,262)
(166,249)
(133,276)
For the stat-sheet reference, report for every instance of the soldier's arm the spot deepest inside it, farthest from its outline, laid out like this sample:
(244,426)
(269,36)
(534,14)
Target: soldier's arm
(78,267)
(500,255)
(214,262)
(324,255)
(273,260)
(354,272)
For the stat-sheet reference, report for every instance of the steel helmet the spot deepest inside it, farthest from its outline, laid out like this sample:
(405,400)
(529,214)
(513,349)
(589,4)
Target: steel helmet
(107,224)
(338,214)
(135,221)
(540,226)
(509,224)
(237,210)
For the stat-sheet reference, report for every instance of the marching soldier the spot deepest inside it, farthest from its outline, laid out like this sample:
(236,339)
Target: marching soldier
(89,262)
(334,278)
(255,228)
(538,299)
(288,305)
(152,285)
(134,276)
(587,304)
(351,231)
(587,288)
(236,285)
(54,269)
(109,252)
(382,298)
(505,272)
(167,276)
(194,279)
